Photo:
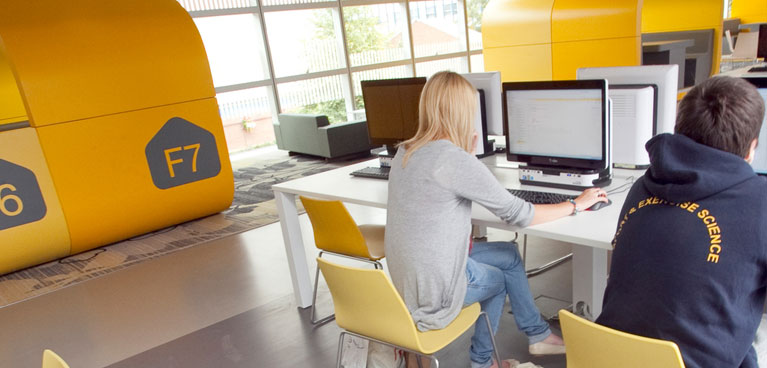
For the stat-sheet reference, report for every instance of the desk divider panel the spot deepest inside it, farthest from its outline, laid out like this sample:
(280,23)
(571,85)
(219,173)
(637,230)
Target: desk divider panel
(32,225)
(128,174)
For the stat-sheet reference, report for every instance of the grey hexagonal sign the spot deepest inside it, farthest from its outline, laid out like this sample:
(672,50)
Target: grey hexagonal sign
(21,200)
(181,153)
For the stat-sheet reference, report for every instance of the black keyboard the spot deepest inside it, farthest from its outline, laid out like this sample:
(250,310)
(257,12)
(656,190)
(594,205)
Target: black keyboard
(375,172)
(535,197)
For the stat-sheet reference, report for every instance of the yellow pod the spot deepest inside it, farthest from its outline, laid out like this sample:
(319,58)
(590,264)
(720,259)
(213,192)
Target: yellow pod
(32,225)
(12,109)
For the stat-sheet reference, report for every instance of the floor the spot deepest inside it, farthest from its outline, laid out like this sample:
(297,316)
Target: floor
(226,303)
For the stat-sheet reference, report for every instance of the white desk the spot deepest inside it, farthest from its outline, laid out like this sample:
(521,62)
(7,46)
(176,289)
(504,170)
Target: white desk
(590,233)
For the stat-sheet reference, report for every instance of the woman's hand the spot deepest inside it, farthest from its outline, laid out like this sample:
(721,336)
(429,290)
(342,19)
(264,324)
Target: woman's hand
(549,212)
(589,197)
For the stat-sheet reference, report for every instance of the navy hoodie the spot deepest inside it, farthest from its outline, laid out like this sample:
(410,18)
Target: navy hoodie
(690,254)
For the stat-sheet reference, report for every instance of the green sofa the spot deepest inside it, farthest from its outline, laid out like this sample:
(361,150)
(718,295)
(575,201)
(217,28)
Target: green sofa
(313,135)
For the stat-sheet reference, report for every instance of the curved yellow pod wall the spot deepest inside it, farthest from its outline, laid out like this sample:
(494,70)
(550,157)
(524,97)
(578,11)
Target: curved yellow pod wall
(551,39)
(749,11)
(120,98)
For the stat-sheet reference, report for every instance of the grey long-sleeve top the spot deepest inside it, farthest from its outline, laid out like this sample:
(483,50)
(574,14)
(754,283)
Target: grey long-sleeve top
(429,224)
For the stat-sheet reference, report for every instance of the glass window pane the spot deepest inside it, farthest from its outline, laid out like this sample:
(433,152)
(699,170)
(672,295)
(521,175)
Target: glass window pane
(477,63)
(315,96)
(373,34)
(247,118)
(291,2)
(304,41)
(436,32)
(199,5)
(475,9)
(404,71)
(235,48)
(428,68)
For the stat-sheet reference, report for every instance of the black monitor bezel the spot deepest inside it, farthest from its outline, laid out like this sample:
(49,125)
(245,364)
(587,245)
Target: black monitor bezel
(391,142)
(557,161)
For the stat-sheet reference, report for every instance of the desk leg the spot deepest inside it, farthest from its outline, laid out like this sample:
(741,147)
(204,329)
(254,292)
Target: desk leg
(294,247)
(589,279)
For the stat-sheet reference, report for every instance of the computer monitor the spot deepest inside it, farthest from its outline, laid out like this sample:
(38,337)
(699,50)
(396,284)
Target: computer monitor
(490,85)
(391,109)
(561,128)
(663,76)
(760,157)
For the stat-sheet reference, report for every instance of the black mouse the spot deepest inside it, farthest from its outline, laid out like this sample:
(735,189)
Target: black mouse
(598,205)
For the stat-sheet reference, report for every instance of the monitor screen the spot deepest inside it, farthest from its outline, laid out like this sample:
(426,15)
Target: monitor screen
(665,77)
(760,157)
(391,109)
(557,124)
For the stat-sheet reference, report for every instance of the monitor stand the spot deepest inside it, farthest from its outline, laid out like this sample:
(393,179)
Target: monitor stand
(386,156)
(578,179)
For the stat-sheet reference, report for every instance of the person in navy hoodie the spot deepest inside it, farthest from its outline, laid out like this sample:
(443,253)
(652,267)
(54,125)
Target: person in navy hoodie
(690,251)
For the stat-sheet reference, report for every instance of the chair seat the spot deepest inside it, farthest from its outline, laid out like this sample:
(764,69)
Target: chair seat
(434,340)
(374,239)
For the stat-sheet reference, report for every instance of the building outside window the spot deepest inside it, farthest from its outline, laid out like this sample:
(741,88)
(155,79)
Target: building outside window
(309,56)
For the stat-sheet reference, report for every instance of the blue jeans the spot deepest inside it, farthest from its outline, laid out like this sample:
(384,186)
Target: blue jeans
(494,270)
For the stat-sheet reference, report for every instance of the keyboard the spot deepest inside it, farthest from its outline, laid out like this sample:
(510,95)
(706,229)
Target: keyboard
(375,172)
(536,197)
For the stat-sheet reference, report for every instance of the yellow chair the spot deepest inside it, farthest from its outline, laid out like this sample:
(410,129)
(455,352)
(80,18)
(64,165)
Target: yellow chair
(335,232)
(596,346)
(52,360)
(368,306)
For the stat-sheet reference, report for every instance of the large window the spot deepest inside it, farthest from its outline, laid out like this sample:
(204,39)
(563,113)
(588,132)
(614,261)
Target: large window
(309,56)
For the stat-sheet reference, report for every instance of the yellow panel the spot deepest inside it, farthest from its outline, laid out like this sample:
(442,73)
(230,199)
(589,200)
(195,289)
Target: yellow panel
(520,63)
(681,15)
(749,11)
(107,185)
(569,56)
(11,106)
(516,22)
(578,20)
(32,225)
(686,15)
(87,58)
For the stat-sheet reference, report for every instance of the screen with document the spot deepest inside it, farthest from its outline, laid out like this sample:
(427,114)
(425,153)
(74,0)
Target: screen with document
(558,123)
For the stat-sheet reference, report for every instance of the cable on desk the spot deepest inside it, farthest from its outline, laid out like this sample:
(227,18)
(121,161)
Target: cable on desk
(623,187)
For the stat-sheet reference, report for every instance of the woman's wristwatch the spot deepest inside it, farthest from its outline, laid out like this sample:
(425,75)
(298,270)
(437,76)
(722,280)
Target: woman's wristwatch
(575,207)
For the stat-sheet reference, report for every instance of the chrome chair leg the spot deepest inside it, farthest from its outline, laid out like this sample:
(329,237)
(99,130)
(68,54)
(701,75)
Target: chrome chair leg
(314,301)
(492,339)
(340,349)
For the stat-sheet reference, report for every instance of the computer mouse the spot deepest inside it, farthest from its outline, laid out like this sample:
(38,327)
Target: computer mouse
(598,205)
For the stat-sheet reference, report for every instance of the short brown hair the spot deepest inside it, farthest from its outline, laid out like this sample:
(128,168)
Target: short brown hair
(723,112)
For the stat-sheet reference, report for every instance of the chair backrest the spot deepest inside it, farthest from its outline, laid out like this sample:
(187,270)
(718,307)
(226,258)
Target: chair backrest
(596,346)
(334,228)
(52,360)
(367,303)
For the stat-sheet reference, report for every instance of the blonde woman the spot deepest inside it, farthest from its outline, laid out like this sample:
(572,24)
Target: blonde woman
(434,179)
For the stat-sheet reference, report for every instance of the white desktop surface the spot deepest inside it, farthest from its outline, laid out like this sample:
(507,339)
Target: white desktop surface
(589,232)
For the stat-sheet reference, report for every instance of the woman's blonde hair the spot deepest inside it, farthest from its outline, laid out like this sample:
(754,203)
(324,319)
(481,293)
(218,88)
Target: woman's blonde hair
(446,111)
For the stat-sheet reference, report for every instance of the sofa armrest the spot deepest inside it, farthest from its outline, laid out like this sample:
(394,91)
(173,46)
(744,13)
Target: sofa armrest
(347,138)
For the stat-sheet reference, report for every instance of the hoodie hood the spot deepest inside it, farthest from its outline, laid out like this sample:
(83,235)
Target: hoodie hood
(683,170)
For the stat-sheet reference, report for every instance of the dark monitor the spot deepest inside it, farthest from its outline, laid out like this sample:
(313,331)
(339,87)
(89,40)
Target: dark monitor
(391,109)
(760,157)
(557,124)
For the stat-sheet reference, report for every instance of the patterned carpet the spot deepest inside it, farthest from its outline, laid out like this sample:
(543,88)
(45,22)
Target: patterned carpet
(253,206)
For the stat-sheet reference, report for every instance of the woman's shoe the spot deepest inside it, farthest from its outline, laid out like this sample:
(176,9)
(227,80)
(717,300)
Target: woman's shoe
(543,348)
